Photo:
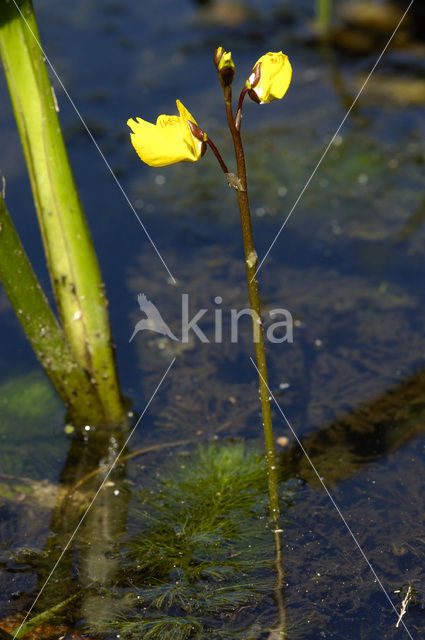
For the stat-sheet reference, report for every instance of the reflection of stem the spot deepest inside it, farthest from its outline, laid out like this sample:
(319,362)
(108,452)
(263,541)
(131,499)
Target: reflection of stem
(254,299)
(104,525)
(280,629)
(89,561)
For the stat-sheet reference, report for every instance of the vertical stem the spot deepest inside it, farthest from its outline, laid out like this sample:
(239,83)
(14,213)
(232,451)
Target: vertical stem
(72,261)
(279,630)
(254,300)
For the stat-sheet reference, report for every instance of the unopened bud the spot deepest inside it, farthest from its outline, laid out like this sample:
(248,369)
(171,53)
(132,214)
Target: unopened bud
(225,66)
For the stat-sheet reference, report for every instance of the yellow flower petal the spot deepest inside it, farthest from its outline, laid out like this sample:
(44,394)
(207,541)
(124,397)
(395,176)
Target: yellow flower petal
(270,77)
(195,146)
(168,141)
(184,113)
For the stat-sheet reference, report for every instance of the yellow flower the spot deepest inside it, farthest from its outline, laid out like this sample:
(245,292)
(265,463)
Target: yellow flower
(270,77)
(169,140)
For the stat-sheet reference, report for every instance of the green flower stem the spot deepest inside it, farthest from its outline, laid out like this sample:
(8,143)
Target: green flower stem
(254,300)
(41,327)
(71,259)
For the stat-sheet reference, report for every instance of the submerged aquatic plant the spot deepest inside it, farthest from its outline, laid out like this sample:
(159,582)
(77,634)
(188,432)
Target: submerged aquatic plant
(200,561)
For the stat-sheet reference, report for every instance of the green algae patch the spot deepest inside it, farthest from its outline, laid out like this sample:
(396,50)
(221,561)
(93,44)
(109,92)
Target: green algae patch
(30,416)
(27,397)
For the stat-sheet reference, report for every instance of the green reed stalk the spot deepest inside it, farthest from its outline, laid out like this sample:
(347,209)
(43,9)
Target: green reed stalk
(41,327)
(71,258)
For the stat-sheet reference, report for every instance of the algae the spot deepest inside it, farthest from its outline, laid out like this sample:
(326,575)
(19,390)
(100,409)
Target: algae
(30,412)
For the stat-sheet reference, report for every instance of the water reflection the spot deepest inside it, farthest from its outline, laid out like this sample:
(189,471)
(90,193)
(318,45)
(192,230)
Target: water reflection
(342,448)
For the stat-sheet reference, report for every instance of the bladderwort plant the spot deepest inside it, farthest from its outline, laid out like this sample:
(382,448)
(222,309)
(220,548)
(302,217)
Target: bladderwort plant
(179,138)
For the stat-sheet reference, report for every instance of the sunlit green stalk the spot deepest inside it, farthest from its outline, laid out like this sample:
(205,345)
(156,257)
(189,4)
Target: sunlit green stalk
(254,300)
(41,327)
(71,259)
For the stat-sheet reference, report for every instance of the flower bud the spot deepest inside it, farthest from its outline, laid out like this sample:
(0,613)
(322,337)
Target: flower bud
(270,78)
(225,66)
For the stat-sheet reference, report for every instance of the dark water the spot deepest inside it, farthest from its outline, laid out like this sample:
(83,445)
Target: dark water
(349,266)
